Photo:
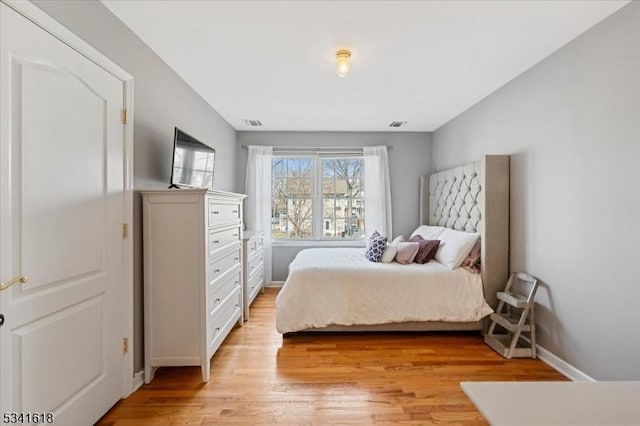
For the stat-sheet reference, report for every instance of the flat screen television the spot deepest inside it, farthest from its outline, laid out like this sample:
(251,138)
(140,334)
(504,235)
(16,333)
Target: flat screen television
(192,162)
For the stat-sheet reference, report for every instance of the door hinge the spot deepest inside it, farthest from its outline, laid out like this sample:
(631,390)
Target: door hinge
(125,116)
(125,345)
(125,230)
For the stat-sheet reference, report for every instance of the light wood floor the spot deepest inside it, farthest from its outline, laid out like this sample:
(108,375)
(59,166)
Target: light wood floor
(259,378)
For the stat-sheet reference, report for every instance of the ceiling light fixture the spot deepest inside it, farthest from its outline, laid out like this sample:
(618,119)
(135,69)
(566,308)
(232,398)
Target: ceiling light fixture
(343,62)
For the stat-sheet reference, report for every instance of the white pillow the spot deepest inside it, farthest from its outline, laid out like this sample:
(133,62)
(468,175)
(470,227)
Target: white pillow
(428,232)
(455,246)
(391,250)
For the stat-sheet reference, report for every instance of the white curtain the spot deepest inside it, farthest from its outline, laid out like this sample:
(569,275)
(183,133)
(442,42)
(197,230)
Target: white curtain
(377,190)
(257,213)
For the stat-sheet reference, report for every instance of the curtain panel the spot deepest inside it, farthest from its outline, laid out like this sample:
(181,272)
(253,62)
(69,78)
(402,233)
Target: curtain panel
(257,212)
(377,190)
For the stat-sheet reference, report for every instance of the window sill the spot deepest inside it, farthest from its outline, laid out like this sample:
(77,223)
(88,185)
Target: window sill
(316,243)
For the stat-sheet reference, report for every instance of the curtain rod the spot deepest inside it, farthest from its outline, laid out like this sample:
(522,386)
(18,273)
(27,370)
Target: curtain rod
(317,148)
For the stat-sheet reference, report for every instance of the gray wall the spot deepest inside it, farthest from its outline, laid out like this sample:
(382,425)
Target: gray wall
(572,126)
(408,160)
(162,100)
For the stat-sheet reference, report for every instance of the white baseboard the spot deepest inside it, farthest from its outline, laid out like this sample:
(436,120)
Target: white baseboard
(138,380)
(275,284)
(563,366)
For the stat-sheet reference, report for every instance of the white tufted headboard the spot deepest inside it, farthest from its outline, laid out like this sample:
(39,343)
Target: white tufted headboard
(455,199)
(474,198)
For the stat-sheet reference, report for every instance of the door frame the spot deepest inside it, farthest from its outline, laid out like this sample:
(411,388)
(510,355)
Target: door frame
(53,27)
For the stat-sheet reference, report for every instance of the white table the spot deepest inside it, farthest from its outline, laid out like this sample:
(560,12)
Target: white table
(556,403)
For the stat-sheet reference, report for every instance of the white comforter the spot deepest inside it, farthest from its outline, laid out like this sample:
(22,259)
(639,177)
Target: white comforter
(339,286)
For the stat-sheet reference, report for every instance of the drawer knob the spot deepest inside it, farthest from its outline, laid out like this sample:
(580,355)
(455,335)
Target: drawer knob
(237,282)
(216,212)
(216,271)
(13,281)
(217,328)
(217,300)
(216,241)
(234,235)
(234,211)
(235,258)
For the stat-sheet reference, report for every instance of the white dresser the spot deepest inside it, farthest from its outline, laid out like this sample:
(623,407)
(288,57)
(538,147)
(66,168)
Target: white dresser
(192,275)
(253,253)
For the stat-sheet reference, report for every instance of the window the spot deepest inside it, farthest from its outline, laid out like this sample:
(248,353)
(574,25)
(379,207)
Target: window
(317,198)
(292,198)
(343,197)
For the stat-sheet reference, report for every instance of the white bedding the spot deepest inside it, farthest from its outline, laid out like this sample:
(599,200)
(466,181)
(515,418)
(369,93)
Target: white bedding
(339,286)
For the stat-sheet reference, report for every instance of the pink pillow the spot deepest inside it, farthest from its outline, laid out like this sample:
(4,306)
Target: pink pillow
(427,249)
(472,262)
(407,252)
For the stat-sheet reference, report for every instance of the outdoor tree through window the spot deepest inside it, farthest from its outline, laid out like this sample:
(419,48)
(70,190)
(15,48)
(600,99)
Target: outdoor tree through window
(343,197)
(316,198)
(292,198)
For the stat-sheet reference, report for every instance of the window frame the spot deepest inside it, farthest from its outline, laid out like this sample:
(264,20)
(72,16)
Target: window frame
(317,216)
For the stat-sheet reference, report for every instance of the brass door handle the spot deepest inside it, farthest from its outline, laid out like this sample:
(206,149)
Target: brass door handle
(9,283)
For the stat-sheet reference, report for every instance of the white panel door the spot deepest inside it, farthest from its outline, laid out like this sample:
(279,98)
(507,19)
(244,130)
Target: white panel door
(61,193)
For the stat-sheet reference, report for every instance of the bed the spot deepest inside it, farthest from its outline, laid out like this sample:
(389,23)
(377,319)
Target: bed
(338,289)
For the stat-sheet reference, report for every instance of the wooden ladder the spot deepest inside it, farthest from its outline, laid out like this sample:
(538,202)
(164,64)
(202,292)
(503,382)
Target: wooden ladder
(515,315)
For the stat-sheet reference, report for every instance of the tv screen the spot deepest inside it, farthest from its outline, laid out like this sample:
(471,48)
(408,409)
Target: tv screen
(192,162)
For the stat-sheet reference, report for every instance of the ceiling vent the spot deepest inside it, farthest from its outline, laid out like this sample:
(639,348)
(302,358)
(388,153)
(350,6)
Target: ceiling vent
(397,123)
(253,123)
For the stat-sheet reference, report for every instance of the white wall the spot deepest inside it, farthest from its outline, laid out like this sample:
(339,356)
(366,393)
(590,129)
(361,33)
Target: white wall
(162,100)
(408,160)
(572,127)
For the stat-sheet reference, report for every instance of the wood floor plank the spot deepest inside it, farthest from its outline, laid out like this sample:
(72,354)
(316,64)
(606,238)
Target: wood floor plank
(257,378)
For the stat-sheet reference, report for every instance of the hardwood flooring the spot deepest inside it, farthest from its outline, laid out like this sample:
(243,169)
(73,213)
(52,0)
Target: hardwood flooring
(257,377)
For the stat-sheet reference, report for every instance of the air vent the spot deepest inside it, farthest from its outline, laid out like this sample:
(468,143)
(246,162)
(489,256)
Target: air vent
(252,123)
(397,123)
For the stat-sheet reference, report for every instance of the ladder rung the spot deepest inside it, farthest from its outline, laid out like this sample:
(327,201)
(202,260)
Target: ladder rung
(509,322)
(500,343)
(514,300)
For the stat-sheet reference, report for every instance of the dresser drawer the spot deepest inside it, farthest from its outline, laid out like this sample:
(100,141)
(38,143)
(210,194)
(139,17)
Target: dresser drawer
(251,248)
(221,318)
(255,244)
(255,262)
(219,265)
(256,281)
(220,289)
(221,214)
(221,239)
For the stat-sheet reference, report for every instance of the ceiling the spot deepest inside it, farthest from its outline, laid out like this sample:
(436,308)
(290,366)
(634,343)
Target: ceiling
(423,62)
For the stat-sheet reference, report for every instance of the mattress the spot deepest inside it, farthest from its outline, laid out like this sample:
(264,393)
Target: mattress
(339,286)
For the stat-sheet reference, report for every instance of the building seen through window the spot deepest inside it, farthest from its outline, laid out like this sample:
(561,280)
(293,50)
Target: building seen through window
(316,198)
